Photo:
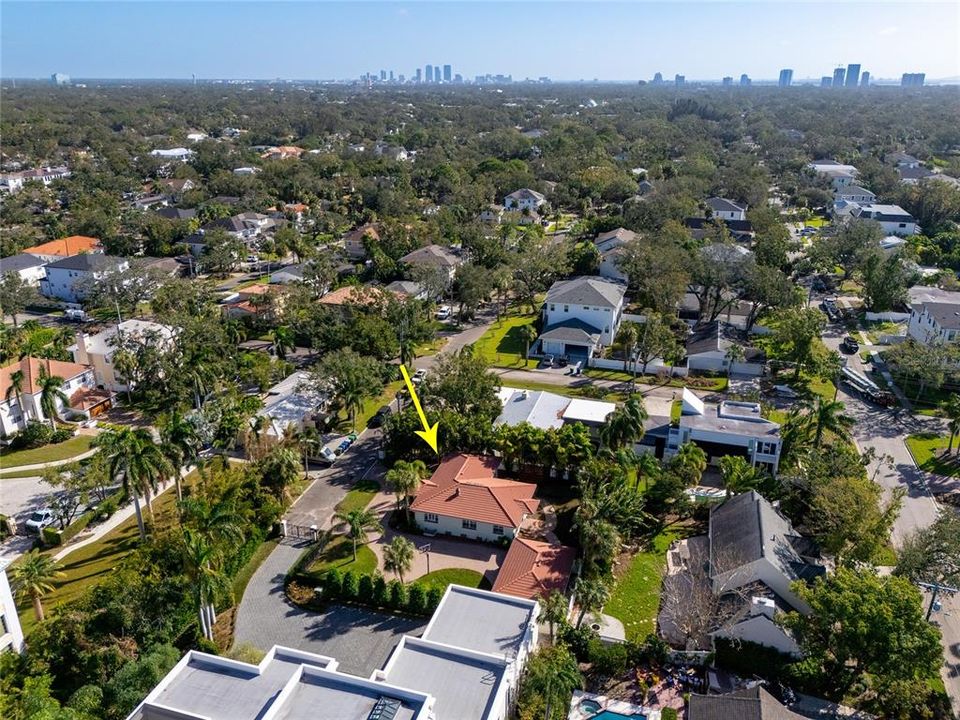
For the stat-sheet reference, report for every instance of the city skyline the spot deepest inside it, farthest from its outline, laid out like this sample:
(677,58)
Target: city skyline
(85,40)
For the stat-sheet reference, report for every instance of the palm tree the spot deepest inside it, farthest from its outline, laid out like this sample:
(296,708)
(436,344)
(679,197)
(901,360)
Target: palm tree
(528,335)
(33,577)
(591,595)
(305,440)
(51,393)
(283,340)
(951,409)
(356,524)
(405,479)
(624,426)
(628,336)
(735,354)
(553,674)
(647,467)
(16,389)
(690,461)
(739,475)
(398,556)
(829,415)
(132,454)
(206,578)
(180,444)
(553,610)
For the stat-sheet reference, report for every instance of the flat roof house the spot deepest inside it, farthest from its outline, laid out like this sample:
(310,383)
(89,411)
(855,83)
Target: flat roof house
(934,315)
(893,219)
(581,315)
(547,410)
(464,498)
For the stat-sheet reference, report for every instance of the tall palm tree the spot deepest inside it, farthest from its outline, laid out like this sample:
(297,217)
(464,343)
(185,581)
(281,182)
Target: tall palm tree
(16,390)
(305,439)
(591,594)
(553,674)
(221,522)
(180,443)
(647,467)
(553,610)
(33,577)
(207,579)
(283,340)
(829,415)
(132,455)
(51,392)
(628,336)
(528,335)
(398,556)
(624,426)
(404,478)
(951,409)
(356,524)
(690,461)
(739,475)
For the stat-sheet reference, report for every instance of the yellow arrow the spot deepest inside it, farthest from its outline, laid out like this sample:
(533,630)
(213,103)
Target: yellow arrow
(429,434)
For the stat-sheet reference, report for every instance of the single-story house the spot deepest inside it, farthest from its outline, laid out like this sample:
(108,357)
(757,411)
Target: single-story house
(464,498)
(753,703)
(407,288)
(291,402)
(708,346)
(175,213)
(534,569)
(546,410)
(492,214)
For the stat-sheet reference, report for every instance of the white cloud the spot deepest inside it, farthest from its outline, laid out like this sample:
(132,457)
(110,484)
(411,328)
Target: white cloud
(892,30)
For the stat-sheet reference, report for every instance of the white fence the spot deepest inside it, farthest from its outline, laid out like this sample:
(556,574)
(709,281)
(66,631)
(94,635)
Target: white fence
(886,316)
(654,367)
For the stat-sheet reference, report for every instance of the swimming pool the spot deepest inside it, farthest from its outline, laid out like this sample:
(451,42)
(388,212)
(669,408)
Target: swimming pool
(611,715)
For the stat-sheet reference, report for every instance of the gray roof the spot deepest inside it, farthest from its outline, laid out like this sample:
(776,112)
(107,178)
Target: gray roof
(407,287)
(464,684)
(620,235)
(851,190)
(723,205)
(294,271)
(946,315)
(900,157)
(919,294)
(527,194)
(15,263)
(497,622)
(587,290)
(572,331)
(746,528)
(914,173)
(88,262)
(748,704)
(431,255)
(537,407)
(172,213)
(717,336)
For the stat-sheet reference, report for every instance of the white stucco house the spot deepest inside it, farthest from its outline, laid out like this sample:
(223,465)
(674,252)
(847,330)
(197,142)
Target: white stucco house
(71,279)
(18,409)
(11,634)
(30,268)
(934,315)
(724,209)
(524,199)
(580,316)
(893,219)
(98,350)
(464,498)
(179,154)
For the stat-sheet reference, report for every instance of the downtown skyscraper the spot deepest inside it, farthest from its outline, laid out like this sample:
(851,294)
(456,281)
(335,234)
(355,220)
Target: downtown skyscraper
(786,78)
(853,75)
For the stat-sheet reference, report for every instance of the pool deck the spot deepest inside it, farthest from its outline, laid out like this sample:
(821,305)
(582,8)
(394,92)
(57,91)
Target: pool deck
(607,704)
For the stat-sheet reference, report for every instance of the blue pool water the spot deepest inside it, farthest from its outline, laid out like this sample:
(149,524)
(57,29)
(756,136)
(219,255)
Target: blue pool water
(610,715)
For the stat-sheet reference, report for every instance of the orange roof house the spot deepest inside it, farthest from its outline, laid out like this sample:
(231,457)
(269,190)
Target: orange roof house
(465,498)
(282,152)
(355,295)
(65,247)
(534,569)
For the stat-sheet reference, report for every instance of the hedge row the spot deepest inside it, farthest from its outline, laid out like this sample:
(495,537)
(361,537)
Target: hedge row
(375,591)
(54,537)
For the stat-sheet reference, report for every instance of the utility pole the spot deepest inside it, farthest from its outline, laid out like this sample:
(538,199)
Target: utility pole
(935,589)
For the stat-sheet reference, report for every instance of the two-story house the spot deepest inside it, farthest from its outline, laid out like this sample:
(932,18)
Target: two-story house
(524,199)
(433,257)
(934,315)
(581,315)
(20,390)
(854,194)
(29,268)
(724,209)
(492,214)
(97,351)
(54,250)
(465,498)
(354,242)
(893,219)
(610,246)
(71,279)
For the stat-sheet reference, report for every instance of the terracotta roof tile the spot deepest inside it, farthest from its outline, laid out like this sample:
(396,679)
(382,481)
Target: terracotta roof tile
(533,569)
(30,366)
(66,247)
(464,487)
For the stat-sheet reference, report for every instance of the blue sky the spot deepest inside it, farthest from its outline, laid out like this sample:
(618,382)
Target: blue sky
(564,40)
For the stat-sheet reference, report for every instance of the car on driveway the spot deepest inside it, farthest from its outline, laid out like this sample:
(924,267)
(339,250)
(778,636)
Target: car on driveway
(379,416)
(419,376)
(39,519)
(849,345)
(443,313)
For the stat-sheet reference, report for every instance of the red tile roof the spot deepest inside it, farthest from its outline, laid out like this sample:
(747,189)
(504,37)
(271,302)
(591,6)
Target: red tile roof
(30,366)
(464,487)
(533,569)
(66,247)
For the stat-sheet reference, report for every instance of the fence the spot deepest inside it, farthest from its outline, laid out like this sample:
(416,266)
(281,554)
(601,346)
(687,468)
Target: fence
(654,367)
(886,316)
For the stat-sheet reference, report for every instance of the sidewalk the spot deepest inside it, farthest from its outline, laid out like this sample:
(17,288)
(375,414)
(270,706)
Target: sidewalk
(53,463)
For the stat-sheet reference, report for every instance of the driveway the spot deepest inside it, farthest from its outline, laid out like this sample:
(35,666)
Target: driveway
(361,640)
(20,496)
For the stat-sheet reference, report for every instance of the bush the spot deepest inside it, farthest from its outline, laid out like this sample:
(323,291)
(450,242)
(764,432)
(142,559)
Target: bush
(434,596)
(51,536)
(74,528)
(61,435)
(108,507)
(207,646)
(748,659)
(4,527)
(609,660)
(333,583)
(398,595)
(668,713)
(578,640)
(351,586)
(365,587)
(381,592)
(34,435)
(417,603)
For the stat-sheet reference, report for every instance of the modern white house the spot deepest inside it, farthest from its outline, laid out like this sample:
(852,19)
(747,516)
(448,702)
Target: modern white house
(581,315)
(730,428)
(893,219)
(30,268)
(934,315)
(11,634)
(464,498)
(20,391)
(524,199)
(179,154)
(13,182)
(97,351)
(457,670)
(724,209)
(71,279)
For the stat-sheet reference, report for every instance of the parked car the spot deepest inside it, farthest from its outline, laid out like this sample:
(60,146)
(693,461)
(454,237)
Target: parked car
(419,376)
(784,391)
(546,361)
(76,315)
(443,312)
(39,519)
(379,416)
(849,345)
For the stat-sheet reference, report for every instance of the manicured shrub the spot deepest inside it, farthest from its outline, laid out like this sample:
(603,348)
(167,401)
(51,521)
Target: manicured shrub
(434,596)
(366,588)
(34,435)
(351,586)
(381,592)
(398,595)
(668,713)
(51,536)
(61,435)
(333,583)
(417,602)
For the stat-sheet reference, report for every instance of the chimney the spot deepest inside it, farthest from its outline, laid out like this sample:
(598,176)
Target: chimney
(81,355)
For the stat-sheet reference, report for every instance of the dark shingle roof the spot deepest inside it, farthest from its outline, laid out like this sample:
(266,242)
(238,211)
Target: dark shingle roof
(19,262)
(718,337)
(723,205)
(87,262)
(748,704)
(572,331)
(914,173)
(946,315)
(172,213)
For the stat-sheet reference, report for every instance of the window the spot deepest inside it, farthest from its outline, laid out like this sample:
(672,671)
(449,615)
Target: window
(469,525)
(552,307)
(566,308)
(430,518)
(498,529)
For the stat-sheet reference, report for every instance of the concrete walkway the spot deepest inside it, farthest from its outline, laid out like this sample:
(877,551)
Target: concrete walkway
(52,463)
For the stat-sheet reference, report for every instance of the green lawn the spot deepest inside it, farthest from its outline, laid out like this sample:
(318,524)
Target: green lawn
(929,452)
(339,554)
(21,474)
(48,453)
(502,345)
(371,405)
(635,599)
(450,576)
(567,390)
(359,496)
